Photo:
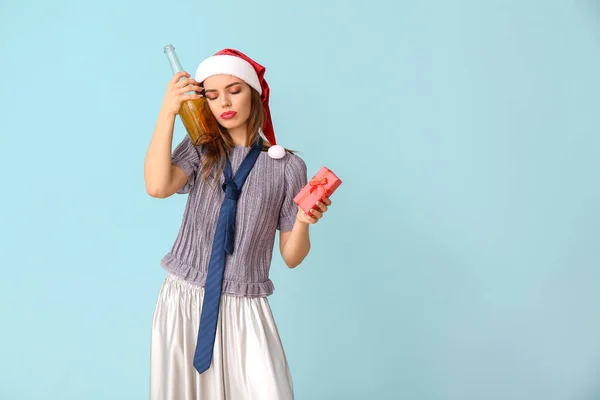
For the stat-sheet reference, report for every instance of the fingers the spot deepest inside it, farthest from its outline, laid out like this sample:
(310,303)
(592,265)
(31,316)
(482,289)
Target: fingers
(323,205)
(189,85)
(186,82)
(189,88)
(310,217)
(190,97)
(178,76)
(179,89)
(184,85)
(315,213)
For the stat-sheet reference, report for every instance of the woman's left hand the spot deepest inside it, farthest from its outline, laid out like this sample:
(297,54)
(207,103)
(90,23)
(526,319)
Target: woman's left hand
(315,213)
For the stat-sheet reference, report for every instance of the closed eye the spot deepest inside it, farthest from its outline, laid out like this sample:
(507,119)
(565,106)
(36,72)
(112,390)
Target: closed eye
(238,91)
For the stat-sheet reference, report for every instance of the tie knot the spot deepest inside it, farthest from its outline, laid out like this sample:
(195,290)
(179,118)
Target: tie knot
(231,190)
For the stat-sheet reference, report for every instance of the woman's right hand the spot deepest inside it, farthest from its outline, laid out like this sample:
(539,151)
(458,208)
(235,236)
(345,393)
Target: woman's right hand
(176,89)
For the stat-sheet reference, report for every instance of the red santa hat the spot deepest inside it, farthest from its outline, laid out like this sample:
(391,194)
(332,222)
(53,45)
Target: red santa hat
(235,63)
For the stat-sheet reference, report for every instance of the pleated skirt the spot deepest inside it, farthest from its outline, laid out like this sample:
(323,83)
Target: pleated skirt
(248,363)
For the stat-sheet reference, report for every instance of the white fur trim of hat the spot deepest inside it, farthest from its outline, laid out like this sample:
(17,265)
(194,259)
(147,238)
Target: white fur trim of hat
(228,65)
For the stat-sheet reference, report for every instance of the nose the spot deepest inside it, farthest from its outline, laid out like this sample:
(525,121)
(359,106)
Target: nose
(225,102)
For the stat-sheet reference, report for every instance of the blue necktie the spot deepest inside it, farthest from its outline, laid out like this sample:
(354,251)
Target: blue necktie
(222,242)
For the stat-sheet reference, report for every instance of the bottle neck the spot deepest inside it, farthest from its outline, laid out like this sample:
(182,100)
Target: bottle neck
(173,60)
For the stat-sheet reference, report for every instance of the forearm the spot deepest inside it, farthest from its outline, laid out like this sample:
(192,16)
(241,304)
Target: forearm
(157,166)
(298,245)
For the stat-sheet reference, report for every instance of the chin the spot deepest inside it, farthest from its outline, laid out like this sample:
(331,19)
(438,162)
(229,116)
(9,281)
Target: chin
(228,124)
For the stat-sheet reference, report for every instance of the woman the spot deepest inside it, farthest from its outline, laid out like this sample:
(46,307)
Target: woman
(213,333)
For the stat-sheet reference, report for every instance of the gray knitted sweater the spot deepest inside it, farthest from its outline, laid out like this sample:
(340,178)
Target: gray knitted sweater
(265,204)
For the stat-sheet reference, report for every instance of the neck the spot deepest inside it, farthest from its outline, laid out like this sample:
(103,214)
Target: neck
(239,135)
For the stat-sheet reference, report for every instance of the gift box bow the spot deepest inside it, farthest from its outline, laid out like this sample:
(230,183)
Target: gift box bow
(324,183)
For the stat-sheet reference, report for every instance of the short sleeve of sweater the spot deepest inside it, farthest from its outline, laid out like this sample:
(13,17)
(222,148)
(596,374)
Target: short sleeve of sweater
(294,179)
(187,157)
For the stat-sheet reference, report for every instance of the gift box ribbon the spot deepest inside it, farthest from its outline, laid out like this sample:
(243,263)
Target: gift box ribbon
(314,185)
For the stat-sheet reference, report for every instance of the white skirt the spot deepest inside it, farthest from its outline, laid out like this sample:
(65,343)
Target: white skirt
(248,362)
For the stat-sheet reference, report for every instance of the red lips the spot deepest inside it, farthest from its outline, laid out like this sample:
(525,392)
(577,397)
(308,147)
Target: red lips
(228,114)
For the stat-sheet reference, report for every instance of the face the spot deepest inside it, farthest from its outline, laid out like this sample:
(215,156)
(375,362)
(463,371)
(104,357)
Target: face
(229,99)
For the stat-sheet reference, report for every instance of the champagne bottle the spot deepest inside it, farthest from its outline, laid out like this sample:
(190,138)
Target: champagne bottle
(198,120)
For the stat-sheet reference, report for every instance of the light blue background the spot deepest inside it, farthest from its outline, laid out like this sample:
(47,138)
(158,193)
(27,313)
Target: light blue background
(458,261)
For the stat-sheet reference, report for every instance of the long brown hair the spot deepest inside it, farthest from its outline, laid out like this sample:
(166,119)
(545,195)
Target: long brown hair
(214,152)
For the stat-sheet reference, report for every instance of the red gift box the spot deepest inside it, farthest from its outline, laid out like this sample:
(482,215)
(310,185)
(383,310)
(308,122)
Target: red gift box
(322,185)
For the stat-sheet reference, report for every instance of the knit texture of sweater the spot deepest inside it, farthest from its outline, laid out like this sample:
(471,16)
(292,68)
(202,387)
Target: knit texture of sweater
(264,206)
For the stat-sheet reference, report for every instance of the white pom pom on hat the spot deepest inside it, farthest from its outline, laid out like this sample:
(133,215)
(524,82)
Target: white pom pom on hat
(276,151)
(235,63)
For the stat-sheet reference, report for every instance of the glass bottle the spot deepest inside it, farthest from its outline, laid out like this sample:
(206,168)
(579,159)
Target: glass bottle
(199,122)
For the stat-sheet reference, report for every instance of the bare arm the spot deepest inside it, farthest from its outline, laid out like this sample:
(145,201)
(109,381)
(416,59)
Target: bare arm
(161,176)
(294,245)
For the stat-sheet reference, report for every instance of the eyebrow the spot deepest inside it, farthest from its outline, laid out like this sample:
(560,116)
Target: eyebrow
(226,87)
